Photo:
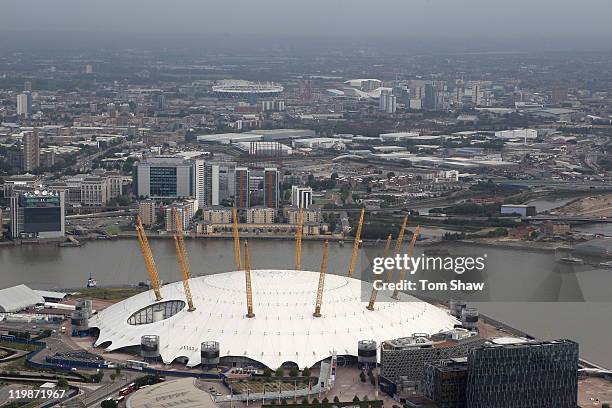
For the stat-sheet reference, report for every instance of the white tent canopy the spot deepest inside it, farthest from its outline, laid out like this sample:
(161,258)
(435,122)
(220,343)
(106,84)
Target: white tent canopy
(18,298)
(283,328)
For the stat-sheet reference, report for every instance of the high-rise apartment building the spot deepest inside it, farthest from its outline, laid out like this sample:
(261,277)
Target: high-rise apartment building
(301,197)
(147,212)
(242,188)
(31,150)
(24,104)
(387,102)
(271,187)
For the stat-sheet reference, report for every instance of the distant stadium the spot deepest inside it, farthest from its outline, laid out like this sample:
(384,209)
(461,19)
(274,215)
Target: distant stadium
(245,89)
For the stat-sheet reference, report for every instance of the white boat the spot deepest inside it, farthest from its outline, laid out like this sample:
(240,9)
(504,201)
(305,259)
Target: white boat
(606,264)
(572,260)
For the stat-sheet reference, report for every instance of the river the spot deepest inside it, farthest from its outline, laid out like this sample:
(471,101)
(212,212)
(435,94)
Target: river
(517,277)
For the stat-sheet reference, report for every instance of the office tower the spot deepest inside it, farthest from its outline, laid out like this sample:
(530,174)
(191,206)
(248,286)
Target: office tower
(301,197)
(387,102)
(31,150)
(111,109)
(476,94)
(382,101)
(37,214)
(164,177)
(270,184)
(147,212)
(89,69)
(523,374)
(430,101)
(241,187)
(160,100)
(445,381)
(24,104)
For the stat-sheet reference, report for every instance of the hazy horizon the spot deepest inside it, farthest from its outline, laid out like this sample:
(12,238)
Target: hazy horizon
(467,25)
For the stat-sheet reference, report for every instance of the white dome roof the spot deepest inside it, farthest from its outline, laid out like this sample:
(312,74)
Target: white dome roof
(283,328)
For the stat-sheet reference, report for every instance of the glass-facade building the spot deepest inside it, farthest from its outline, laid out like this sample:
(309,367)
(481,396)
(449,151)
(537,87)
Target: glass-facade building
(165,177)
(523,375)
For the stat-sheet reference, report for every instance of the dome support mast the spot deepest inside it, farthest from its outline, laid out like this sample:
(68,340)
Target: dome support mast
(351,269)
(317,312)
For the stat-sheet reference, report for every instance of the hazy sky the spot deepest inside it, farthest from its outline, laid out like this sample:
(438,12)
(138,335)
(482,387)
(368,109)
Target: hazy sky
(556,22)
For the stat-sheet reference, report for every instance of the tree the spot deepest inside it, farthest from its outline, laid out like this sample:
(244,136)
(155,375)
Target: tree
(306,372)
(362,376)
(267,372)
(294,372)
(336,399)
(315,400)
(284,402)
(365,398)
(390,174)
(280,372)
(62,382)
(113,376)
(325,400)
(108,404)
(305,400)
(97,377)
(355,398)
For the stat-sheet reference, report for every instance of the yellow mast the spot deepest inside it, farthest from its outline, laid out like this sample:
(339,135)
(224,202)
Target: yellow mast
(398,246)
(317,312)
(148,258)
(298,242)
(370,305)
(409,253)
(351,269)
(183,260)
(247,275)
(236,241)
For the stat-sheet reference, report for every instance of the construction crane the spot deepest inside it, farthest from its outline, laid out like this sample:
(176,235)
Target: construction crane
(236,241)
(148,259)
(247,275)
(370,305)
(183,260)
(317,312)
(351,269)
(409,253)
(398,246)
(298,242)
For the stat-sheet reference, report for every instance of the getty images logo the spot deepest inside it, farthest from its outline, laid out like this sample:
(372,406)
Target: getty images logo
(411,264)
